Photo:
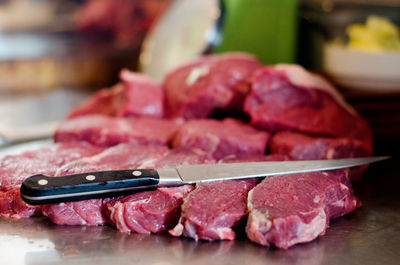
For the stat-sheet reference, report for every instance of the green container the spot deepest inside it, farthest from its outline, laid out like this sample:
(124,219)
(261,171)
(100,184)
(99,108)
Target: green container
(265,28)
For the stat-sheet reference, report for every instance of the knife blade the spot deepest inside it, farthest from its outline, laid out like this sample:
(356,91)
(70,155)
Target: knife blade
(41,189)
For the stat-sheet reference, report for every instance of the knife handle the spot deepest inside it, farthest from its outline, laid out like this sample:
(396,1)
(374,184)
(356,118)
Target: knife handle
(41,189)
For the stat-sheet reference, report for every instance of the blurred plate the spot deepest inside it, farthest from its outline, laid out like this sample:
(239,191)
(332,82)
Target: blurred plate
(362,70)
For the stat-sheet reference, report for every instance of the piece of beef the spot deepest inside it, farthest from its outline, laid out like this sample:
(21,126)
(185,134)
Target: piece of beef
(196,89)
(180,156)
(213,210)
(290,209)
(302,147)
(108,131)
(137,96)
(222,138)
(122,156)
(102,102)
(12,205)
(14,169)
(287,97)
(155,211)
(254,158)
(88,212)
(148,212)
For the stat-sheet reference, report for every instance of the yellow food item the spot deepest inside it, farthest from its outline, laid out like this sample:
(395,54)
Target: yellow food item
(378,34)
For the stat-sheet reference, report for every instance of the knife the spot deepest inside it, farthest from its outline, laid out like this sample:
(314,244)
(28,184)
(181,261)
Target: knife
(41,189)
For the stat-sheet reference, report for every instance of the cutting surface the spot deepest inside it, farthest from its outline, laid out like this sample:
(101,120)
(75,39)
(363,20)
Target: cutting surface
(370,235)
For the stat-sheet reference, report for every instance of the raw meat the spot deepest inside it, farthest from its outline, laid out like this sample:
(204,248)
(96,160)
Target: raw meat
(302,147)
(101,102)
(123,156)
(108,131)
(88,212)
(287,97)
(155,211)
(296,208)
(222,138)
(137,96)
(141,97)
(196,89)
(14,169)
(213,210)
(12,205)
(148,212)
(254,158)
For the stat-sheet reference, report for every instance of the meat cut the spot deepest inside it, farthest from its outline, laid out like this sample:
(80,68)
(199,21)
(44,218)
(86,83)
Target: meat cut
(14,169)
(222,138)
(12,205)
(108,131)
(303,147)
(213,210)
(122,156)
(289,209)
(287,97)
(136,96)
(198,88)
(148,212)
(298,146)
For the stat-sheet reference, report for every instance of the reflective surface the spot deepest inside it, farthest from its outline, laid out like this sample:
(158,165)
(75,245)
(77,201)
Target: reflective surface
(370,235)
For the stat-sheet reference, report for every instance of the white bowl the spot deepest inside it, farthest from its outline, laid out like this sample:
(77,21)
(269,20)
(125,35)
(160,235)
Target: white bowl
(362,70)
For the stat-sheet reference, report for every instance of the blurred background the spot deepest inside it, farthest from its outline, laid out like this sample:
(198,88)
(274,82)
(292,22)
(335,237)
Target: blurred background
(54,53)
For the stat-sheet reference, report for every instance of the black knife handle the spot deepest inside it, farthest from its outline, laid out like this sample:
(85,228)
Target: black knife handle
(41,189)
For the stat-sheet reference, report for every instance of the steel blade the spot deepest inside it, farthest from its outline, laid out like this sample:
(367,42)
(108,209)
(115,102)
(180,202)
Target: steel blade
(215,172)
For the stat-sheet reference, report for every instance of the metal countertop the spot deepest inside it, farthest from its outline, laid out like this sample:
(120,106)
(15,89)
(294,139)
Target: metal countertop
(370,235)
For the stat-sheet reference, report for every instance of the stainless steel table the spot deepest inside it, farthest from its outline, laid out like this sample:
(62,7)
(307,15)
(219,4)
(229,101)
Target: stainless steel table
(370,235)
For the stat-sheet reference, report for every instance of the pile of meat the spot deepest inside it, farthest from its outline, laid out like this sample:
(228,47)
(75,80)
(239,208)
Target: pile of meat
(286,113)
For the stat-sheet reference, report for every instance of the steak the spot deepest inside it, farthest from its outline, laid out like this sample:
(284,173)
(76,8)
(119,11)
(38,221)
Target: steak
(14,169)
(148,212)
(222,138)
(196,89)
(302,147)
(12,205)
(287,97)
(289,209)
(155,211)
(108,131)
(137,96)
(213,210)
(122,156)
(254,158)
(88,212)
